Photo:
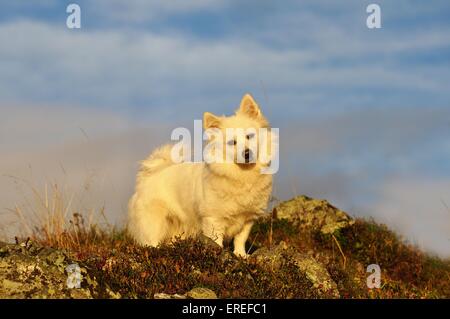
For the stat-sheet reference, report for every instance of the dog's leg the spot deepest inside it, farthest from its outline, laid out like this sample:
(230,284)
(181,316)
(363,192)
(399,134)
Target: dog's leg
(241,238)
(148,223)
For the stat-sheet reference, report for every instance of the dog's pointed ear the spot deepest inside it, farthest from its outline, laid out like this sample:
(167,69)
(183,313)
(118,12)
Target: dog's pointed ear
(210,121)
(249,107)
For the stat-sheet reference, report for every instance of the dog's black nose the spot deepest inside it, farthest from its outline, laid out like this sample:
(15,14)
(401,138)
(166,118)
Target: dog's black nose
(248,155)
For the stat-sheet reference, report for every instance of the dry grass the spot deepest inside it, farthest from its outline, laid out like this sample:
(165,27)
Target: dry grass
(48,217)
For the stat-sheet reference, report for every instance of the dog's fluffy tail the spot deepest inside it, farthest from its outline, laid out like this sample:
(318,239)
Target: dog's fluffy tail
(158,160)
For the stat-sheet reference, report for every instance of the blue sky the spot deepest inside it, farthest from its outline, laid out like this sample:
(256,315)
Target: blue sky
(364,115)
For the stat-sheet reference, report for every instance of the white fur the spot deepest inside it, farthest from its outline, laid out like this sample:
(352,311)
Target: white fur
(186,199)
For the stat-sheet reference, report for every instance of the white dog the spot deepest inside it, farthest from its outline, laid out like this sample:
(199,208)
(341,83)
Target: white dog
(220,200)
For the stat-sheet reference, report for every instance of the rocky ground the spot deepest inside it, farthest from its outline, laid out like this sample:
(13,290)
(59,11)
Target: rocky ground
(306,249)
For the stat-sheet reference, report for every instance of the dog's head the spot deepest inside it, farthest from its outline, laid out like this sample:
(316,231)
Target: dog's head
(241,142)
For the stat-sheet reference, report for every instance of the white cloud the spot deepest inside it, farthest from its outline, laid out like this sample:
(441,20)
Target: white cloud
(24,4)
(137,11)
(35,127)
(117,67)
(419,209)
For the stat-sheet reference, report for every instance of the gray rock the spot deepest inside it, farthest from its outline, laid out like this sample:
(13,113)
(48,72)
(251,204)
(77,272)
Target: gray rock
(168,296)
(30,271)
(201,293)
(316,273)
(314,214)
(271,258)
(195,293)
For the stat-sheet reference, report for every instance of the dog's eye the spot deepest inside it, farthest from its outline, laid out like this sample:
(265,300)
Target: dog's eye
(231,142)
(251,135)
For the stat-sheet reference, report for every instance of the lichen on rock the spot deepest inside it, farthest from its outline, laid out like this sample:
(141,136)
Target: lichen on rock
(194,293)
(163,295)
(30,271)
(274,258)
(315,214)
(201,293)
(317,274)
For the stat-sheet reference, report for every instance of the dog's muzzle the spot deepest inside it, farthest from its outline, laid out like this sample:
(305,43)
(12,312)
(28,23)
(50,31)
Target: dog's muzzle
(247,155)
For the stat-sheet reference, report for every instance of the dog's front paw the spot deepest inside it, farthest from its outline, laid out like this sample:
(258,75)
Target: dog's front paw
(242,254)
